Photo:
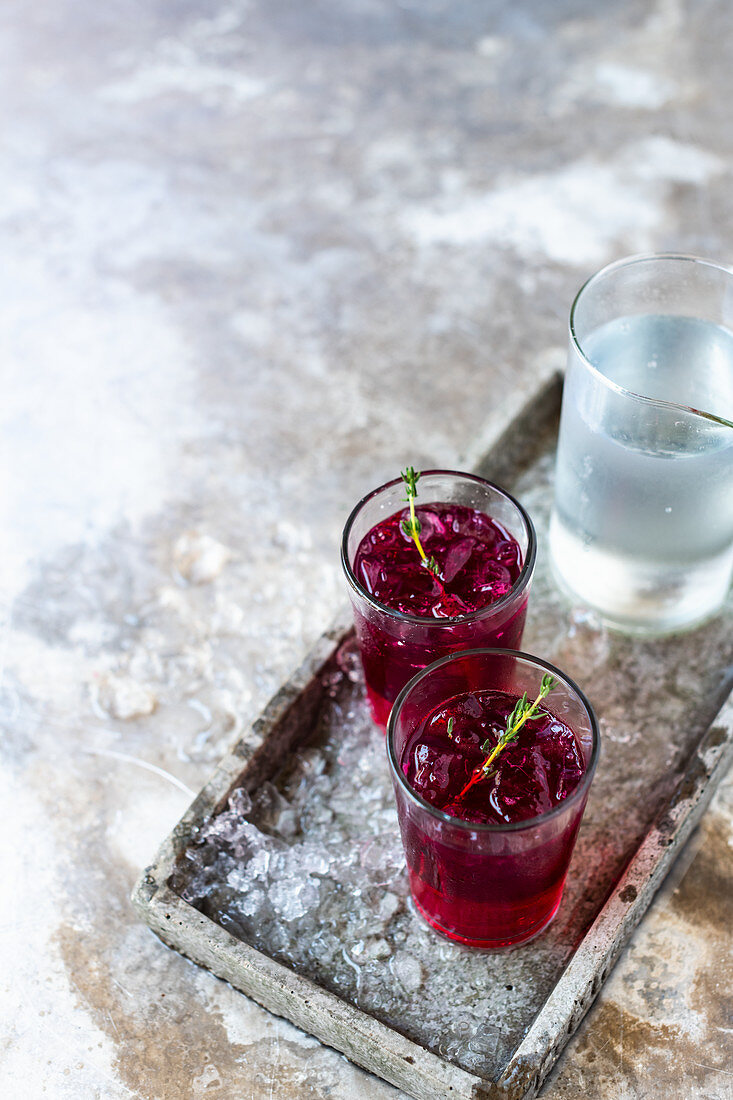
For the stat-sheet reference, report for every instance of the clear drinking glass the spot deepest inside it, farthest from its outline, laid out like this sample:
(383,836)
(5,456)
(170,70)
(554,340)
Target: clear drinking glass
(642,527)
(393,645)
(488,886)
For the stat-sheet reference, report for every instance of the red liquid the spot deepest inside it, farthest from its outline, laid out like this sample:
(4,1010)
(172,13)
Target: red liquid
(479,563)
(490,889)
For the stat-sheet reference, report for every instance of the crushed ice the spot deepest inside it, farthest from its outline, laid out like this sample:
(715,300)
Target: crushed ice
(310,870)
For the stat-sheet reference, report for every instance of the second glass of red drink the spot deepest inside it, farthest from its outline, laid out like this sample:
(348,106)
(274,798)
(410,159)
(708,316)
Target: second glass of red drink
(448,571)
(492,755)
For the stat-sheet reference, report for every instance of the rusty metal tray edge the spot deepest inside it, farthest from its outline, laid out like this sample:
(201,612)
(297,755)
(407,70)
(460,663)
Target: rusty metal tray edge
(363,1039)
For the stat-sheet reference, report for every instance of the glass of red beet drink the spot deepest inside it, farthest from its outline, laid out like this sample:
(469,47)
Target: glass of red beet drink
(483,544)
(488,850)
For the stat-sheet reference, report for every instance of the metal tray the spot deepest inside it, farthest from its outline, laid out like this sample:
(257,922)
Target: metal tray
(433,1018)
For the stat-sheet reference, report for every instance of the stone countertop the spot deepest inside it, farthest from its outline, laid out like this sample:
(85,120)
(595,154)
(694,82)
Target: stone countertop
(256,256)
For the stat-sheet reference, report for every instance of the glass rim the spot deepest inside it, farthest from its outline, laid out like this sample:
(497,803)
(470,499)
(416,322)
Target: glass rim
(618,265)
(485,827)
(525,573)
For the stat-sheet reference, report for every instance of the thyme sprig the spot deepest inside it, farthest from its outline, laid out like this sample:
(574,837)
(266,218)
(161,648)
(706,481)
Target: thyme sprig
(411,526)
(522,712)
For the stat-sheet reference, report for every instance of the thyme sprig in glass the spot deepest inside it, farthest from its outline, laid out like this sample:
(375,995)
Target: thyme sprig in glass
(522,712)
(411,526)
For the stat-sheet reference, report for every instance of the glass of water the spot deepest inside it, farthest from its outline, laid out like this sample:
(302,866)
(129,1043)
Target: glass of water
(642,526)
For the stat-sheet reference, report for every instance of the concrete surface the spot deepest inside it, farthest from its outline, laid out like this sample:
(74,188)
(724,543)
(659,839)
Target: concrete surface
(256,256)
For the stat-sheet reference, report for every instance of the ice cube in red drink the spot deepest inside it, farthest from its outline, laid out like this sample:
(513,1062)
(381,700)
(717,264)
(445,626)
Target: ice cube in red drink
(530,776)
(478,562)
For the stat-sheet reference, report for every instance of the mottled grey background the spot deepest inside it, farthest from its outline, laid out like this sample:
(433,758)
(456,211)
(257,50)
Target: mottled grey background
(254,257)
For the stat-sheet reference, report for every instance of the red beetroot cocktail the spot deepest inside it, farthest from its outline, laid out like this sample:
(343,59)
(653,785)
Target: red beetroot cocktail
(470,590)
(488,844)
